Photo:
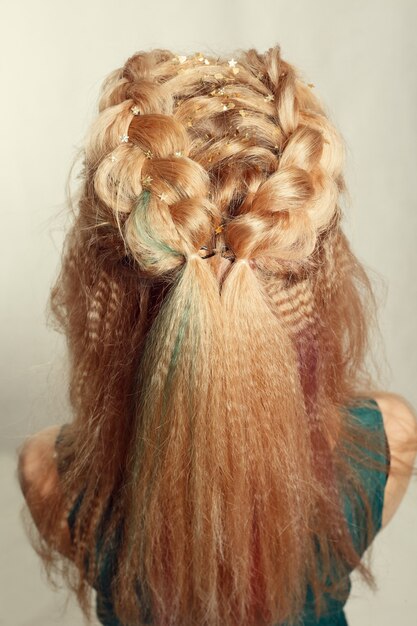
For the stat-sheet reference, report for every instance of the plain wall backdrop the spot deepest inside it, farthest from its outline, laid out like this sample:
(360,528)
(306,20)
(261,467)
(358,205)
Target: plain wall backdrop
(361,57)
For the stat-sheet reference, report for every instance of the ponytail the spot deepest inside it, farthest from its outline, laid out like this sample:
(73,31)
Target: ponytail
(272,484)
(177,447)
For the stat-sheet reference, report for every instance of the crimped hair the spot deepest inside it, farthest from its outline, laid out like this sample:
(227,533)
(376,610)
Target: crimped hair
(211,429)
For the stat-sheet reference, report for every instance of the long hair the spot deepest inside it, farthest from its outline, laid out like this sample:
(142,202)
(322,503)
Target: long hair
(211,426)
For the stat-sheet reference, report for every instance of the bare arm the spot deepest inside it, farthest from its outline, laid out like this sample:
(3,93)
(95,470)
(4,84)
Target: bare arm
(400,423)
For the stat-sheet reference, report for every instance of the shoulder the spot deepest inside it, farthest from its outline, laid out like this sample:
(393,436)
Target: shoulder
(400,425)
(400,419)
(36,462)
(40,484)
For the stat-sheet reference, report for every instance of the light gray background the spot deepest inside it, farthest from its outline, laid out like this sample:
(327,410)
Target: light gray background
(360,55)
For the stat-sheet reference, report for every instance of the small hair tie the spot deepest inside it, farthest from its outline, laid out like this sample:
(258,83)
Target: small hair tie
(193,255)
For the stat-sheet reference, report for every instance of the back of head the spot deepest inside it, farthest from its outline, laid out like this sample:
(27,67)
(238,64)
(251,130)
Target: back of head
(217,324)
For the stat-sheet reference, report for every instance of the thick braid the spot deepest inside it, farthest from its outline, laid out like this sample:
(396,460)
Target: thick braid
(143,170)
(284,216)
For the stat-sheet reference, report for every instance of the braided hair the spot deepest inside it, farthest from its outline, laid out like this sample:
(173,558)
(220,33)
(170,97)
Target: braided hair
(209,389)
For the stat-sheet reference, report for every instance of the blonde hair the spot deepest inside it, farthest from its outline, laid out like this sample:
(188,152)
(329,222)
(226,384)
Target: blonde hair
(212,414)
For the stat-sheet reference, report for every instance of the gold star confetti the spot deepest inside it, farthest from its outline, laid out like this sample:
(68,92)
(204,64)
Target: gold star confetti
(228,105)
(311,85)
(149,154)
(202,59)
(269,97)
(112,158)
(178,153)
(146,181)
(235,70)
(181,58)
(135,110)
(232,63)
(163,197)
(242,113)
(189,122)
(219,76)
(217,92)
(219,229)
(124,138)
